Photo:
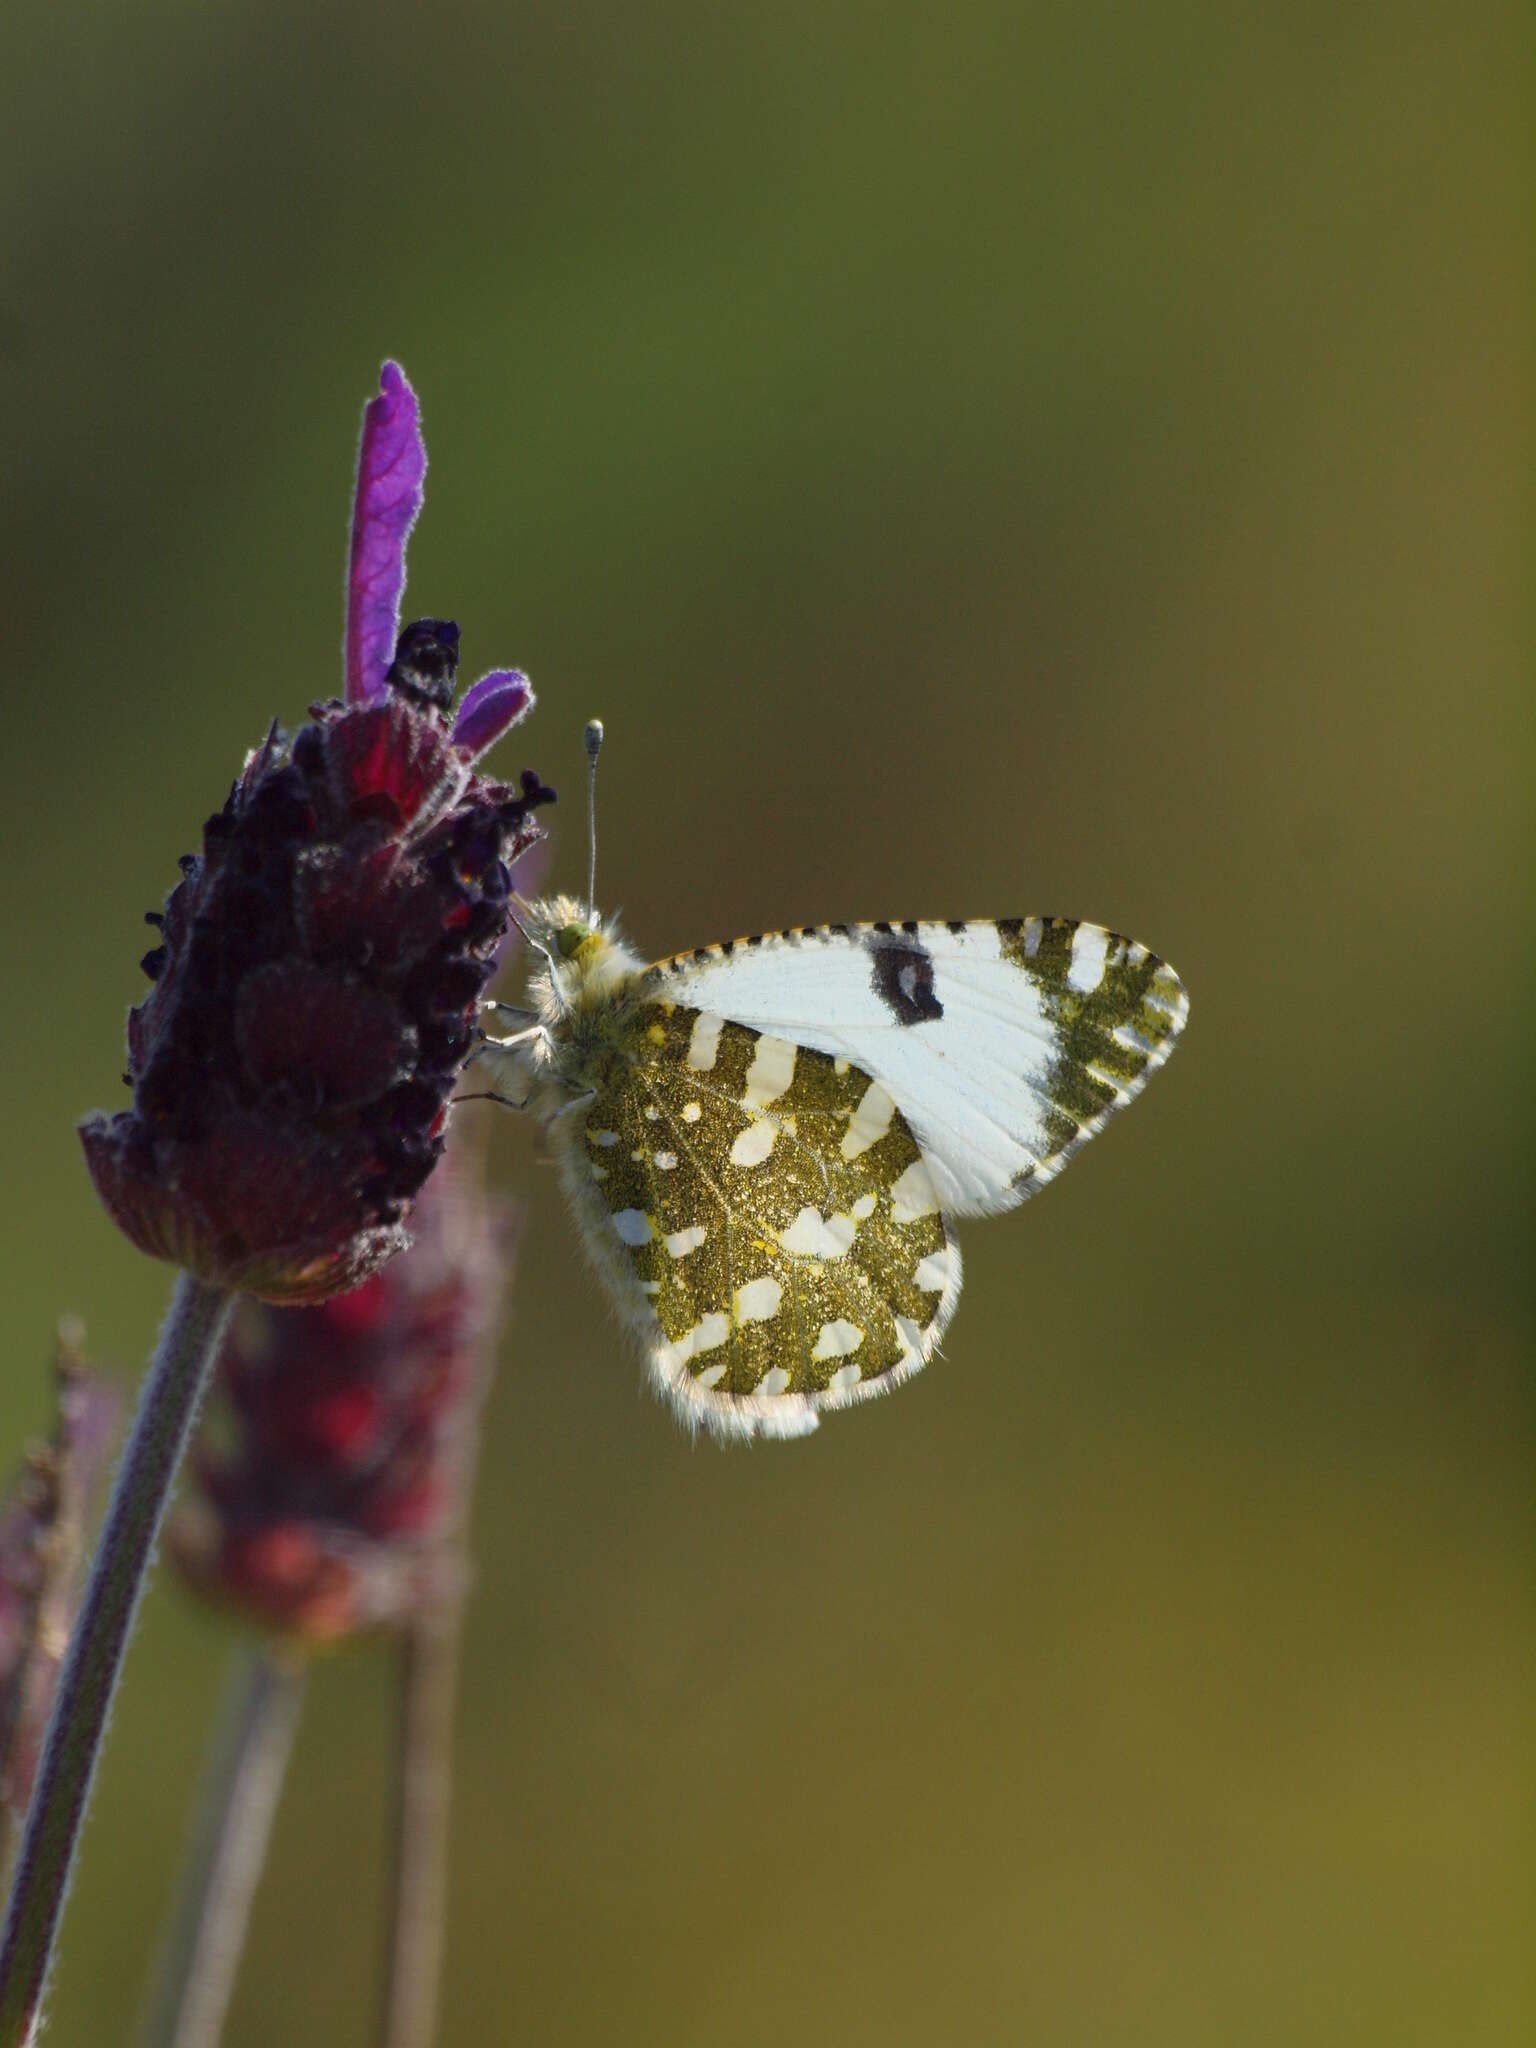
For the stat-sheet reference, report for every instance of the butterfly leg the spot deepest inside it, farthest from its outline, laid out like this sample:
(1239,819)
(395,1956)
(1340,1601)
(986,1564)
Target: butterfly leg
(526,1022)
(514,1057)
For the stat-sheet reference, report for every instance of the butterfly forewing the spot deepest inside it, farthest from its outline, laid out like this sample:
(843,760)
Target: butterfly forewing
(1005,1044)
(776,1215)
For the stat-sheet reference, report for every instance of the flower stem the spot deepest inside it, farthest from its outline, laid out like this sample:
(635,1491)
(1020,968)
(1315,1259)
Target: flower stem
(244,1782)
(183,1361)
(429,1661)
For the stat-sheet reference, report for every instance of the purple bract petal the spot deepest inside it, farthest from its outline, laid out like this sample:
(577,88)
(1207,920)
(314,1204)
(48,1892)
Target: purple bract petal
(497,701)
(391,462)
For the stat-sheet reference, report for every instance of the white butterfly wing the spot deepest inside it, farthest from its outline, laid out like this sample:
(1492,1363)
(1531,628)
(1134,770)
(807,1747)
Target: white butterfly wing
(1005,1044)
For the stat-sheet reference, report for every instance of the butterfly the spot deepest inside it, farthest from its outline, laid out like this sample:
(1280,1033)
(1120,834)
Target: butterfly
(766,1143)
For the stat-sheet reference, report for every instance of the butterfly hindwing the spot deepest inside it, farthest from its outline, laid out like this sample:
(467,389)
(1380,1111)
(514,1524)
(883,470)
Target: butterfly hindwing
(770,1216)
(1006,1044)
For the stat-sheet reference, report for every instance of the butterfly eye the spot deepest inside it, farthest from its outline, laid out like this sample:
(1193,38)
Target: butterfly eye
(570,939)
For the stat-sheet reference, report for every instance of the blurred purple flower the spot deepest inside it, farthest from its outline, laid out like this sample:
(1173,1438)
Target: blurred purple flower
(320,962)
(334,1465)
(42,1541)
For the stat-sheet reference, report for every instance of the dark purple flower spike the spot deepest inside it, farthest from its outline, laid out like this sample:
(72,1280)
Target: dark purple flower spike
(321,960)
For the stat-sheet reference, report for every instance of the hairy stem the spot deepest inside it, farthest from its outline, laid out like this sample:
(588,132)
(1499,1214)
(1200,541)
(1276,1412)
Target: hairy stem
(429,1658)
(236,1807)
(172,1389)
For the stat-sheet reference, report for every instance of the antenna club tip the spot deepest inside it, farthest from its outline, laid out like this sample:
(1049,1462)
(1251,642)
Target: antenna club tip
(593,737)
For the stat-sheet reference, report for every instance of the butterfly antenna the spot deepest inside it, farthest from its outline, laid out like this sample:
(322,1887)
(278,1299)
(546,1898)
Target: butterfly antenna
(593,738)
(534,944)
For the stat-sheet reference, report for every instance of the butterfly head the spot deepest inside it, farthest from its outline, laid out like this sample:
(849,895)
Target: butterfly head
(583,959)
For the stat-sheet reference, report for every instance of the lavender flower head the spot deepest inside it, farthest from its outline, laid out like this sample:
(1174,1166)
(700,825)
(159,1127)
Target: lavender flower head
(320,962)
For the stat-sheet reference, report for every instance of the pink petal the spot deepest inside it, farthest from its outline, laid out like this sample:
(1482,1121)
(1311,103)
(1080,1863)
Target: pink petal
(488,707)
(391,462)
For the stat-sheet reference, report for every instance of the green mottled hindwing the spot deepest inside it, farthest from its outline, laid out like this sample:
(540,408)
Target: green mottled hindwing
(774,1208)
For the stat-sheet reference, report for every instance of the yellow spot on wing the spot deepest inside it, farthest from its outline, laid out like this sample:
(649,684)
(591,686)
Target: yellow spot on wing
(869,1122)
(912,1196)
(837,1338)
(704,1043)
(758,1300)
(752,1146)
(708,1334)
(932,1274)
(814,1236)
(771,1072)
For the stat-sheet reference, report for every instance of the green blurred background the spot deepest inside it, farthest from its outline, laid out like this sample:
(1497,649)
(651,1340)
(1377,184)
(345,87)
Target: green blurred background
(977,460)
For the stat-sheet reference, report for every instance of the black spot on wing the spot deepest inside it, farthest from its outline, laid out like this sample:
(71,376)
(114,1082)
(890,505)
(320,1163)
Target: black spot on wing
(903,977)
